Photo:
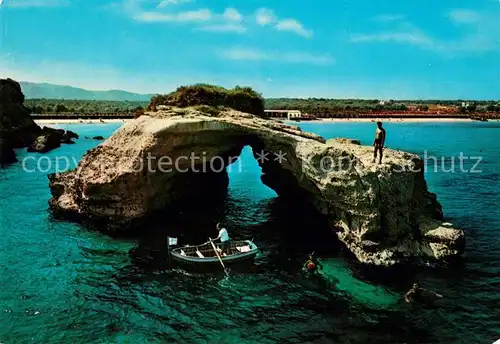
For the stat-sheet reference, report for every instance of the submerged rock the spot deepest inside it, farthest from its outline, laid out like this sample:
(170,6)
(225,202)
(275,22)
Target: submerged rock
(99,138)
(384,213)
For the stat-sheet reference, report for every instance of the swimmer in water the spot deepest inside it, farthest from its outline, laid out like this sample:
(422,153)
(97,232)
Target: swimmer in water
(312,264)
(417,294)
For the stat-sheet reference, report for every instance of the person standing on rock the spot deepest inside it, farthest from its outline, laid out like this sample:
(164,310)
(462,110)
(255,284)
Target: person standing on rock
(379,142)
(224,238)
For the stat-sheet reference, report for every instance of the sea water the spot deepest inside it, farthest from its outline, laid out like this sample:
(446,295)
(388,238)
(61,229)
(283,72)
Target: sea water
(61,283)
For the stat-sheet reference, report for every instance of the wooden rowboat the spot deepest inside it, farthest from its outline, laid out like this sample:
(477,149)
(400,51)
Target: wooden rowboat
(239,251)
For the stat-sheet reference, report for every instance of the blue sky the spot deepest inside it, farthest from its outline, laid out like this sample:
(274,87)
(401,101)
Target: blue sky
(409,49)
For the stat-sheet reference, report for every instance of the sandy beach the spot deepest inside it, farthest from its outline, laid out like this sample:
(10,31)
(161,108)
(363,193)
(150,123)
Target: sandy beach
(386,120)
(79,121)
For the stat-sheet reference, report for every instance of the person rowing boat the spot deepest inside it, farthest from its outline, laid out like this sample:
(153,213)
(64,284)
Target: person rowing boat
(224,238)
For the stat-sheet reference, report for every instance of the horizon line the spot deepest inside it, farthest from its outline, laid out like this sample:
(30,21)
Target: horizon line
(305,97)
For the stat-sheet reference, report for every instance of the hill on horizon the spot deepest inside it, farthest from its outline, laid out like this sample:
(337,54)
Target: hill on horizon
(34,90)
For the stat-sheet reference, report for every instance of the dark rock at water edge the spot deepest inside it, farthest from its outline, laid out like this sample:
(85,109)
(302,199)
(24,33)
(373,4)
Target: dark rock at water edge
(7,154)
(15,117)
(47,141)
(68,137)
(100,138)
(18,129)
(71,135)
(50,139)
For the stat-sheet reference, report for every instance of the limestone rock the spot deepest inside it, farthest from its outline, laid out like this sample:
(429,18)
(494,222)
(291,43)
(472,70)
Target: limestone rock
(443,239)
(383,213)
(344,140)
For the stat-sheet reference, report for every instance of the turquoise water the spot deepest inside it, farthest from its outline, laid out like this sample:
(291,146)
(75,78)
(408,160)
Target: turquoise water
(61,283)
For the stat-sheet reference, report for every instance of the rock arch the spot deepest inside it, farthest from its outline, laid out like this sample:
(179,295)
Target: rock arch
(384,214)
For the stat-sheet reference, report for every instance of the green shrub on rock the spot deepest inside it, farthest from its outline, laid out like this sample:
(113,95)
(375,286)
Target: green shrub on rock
(243,99)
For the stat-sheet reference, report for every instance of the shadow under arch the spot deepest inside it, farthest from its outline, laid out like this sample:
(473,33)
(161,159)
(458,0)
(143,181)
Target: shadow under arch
(286,228)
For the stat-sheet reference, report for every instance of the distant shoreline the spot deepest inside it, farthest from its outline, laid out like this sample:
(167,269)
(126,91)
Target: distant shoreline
(325,120)
(391,120)
(80,121)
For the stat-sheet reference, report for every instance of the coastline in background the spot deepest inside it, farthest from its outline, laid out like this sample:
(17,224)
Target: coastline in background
(42,122)
(394,119)
(325,120)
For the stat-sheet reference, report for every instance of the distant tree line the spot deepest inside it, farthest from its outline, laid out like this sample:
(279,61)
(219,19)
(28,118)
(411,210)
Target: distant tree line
(247,100)
(47,106)
(325,105)
(475,108)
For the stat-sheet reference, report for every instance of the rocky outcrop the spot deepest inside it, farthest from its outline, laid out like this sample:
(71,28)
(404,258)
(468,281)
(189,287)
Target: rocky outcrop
(383,213)
(50,139)
(17,128)
(68,137)
(7,154)
(444,240)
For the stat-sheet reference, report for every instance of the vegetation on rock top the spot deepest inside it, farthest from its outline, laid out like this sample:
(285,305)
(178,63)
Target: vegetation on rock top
(243,99)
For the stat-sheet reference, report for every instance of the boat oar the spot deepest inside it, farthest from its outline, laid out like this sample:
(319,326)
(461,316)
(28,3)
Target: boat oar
(220,260)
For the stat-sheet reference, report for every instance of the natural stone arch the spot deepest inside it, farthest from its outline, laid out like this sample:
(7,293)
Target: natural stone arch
(382,213)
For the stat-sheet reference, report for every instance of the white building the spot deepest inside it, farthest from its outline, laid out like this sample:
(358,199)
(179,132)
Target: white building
(289,114)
